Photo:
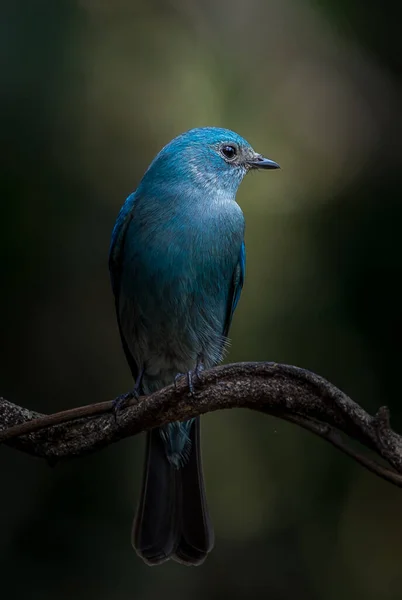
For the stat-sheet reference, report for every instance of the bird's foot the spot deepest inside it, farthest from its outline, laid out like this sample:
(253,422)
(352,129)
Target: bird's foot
(191,376)
(121,400)
(177,379)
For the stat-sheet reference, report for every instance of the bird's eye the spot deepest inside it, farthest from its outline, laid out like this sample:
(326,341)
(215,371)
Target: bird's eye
(229,151)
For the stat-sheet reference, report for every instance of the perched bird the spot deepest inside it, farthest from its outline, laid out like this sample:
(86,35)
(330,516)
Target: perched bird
(177,262)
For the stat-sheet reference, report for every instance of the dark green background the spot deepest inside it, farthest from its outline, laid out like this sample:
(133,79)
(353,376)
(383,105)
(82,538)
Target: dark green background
(91,90)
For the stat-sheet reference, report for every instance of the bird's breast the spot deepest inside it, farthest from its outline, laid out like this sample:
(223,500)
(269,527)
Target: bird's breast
(193,241)
(177,273)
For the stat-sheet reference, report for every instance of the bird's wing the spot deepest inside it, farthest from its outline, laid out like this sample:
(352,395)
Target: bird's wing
(117,242)
(115,264)
(235,288)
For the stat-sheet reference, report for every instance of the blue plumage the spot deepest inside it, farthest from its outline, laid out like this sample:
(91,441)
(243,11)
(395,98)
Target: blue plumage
(177,263)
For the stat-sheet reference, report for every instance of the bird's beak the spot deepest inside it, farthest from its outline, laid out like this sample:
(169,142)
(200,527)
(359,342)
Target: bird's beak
(260,162)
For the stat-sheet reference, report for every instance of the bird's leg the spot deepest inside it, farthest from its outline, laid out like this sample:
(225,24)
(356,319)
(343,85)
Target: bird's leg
(199,366)
(189,376)
(192,374)
(135,393)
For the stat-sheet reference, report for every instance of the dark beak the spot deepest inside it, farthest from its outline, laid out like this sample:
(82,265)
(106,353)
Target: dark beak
(260,162)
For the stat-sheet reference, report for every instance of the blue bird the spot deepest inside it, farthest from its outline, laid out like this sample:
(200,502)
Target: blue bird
(177,263)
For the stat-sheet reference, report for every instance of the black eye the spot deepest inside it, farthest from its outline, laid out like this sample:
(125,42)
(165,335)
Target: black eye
(229,151)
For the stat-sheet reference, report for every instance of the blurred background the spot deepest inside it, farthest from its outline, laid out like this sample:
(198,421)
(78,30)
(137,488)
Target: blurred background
(91,90)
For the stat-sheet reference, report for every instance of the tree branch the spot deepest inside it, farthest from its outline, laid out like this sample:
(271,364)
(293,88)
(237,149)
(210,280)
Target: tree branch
(287,392)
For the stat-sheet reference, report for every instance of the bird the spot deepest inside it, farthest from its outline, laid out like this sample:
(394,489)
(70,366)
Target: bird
(177,265)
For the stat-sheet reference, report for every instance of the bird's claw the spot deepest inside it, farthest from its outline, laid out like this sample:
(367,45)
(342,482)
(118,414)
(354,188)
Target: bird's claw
(120,401)
(191,376)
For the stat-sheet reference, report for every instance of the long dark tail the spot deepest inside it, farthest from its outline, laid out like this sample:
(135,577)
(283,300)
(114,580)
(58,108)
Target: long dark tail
(172,518)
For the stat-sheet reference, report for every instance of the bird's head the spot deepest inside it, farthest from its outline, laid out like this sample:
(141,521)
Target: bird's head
(206,158)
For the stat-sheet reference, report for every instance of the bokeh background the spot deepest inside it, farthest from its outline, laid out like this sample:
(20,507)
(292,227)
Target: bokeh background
(91,90)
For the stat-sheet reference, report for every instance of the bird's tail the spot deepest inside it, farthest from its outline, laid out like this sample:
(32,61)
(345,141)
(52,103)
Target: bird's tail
(172,518)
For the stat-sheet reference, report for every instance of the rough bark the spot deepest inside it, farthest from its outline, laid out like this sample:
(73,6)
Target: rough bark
(287,392)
